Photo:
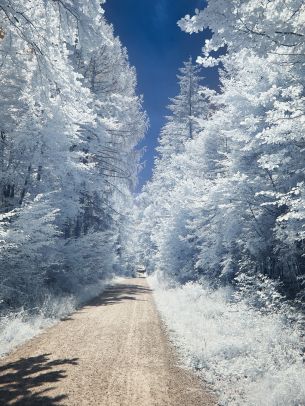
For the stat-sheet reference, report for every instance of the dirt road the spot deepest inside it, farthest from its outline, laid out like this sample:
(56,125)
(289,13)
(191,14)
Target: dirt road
(112,352)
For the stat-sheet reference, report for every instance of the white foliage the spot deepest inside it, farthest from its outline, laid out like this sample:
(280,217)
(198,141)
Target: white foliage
(70,121)
(227,205)
(250,358)
(19,327)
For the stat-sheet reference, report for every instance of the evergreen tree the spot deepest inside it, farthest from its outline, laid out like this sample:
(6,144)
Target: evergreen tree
(186,108)
(164,227)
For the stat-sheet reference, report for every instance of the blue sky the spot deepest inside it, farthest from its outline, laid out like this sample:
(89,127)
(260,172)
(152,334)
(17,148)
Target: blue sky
(157,48)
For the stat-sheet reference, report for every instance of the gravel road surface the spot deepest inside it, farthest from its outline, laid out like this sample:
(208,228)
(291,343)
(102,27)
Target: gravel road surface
(112,352)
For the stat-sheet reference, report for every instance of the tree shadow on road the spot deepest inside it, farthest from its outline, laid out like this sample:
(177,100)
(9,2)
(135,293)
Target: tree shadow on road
(18,379)
(119,293)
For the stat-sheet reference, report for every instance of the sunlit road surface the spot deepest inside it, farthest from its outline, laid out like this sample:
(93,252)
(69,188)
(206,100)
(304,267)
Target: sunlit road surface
(112,352)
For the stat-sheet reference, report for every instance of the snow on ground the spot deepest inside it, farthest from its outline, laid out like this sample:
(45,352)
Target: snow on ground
(19,327)
(250,358)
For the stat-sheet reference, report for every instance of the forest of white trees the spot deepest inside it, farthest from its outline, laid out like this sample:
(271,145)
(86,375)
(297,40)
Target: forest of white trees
(221,223)
(226,200)
(70,121)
